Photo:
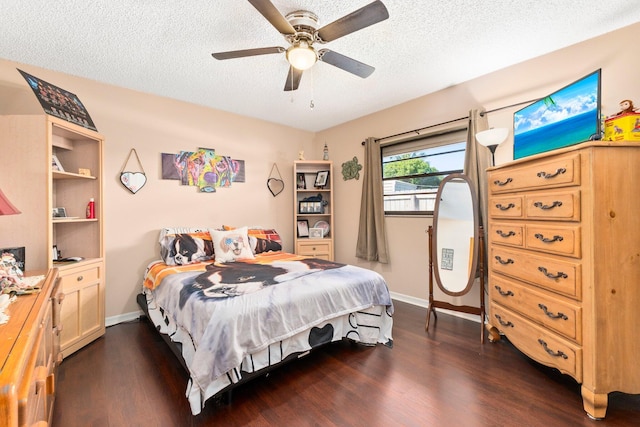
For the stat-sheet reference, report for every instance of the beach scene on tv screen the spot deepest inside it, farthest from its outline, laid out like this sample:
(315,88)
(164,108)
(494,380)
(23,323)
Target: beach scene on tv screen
(566,117)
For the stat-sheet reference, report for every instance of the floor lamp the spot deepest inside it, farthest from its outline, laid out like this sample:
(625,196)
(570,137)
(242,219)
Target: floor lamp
(491,138)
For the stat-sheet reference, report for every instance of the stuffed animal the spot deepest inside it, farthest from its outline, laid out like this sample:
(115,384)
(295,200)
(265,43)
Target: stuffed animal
(626,107)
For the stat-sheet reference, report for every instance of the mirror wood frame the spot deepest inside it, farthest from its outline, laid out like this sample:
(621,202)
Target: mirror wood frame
(476,263)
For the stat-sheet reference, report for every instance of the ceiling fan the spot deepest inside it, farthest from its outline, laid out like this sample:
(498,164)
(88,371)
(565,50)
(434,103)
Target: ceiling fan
(300,29)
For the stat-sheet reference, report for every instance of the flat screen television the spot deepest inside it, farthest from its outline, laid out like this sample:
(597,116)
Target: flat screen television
(565,117)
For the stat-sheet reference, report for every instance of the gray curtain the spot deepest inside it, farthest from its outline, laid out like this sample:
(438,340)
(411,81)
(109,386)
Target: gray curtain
(372,237)
(476,162)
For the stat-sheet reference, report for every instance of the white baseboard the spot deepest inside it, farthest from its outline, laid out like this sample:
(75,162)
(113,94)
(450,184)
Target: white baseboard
(425,304)
(122,318)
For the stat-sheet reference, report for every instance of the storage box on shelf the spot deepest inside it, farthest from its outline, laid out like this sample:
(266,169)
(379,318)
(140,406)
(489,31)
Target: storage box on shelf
(29,143)
(563,263)
(306,208)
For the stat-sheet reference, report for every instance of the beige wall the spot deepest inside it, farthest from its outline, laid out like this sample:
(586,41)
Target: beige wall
(407,273)
(153,125)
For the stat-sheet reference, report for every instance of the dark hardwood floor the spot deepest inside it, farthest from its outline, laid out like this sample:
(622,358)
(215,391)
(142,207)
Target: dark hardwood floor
(441,378)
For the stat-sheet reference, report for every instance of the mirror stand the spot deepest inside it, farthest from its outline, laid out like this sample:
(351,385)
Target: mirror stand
(433,304)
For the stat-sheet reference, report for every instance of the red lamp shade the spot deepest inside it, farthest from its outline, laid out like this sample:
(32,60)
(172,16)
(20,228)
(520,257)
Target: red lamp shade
(6,208)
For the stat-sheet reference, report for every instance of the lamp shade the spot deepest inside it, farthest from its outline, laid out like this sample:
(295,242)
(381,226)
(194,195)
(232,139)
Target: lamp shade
(301,56)
(492,137)
(6,208)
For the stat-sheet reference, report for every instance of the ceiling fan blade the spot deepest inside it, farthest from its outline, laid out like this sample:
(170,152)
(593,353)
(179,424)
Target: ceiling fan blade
(273,15)
(345,63)
(293,79)
(247,52)
(361,18)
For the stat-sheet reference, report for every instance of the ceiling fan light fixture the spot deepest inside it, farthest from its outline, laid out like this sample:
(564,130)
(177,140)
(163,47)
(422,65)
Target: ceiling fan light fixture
(301,56)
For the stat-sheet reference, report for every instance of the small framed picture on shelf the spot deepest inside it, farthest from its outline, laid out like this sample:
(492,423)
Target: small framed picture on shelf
(303,207)
(59,213)
(303,228)
(321,179)
(301,183)
(316,233)
(55,164)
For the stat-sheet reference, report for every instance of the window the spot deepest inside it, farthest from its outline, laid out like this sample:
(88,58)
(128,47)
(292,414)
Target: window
(412,171)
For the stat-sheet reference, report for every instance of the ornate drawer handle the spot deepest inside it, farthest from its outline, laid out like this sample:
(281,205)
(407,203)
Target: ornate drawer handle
(505,235)
(503,323)
(560,274)
(503,262)
(503,293)
(551,175)
(551,315)
(555,238)
(505,208)
(551,352)
(555,204)
(503,183)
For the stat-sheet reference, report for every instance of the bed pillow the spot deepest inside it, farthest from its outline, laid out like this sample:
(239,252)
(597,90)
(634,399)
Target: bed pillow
(261,239)
(182,245)
(231,245)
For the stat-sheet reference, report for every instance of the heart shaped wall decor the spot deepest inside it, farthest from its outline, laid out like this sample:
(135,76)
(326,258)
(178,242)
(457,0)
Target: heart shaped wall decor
(275,185)
(133,181)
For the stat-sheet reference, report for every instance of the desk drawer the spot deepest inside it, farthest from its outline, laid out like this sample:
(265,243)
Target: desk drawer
(553,205)
(538,343)
(507,233)
(506,207)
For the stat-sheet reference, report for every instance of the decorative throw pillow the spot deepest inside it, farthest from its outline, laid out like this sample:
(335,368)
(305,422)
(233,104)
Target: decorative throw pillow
(181,246)
(261,239)
(231,245)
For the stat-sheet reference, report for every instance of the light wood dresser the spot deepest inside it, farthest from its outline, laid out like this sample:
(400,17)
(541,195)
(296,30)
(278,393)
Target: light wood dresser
(564,264)
(29,356)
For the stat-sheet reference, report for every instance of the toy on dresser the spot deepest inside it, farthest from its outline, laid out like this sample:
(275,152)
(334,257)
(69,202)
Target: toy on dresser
(624,125)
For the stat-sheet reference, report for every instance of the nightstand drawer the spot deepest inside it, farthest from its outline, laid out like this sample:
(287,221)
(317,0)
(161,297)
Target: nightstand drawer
(538,343)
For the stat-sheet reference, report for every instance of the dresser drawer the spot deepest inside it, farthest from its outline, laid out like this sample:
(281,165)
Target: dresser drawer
(561,240)
(506,207)
(542,308)
(538,343)
(561,171)
(553,205)
(557,275)
(507,233)
(314,248)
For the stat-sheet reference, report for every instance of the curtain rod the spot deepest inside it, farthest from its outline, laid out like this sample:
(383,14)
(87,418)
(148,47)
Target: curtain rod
(417,131)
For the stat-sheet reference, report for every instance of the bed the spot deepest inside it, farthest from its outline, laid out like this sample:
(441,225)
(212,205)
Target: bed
(236,306)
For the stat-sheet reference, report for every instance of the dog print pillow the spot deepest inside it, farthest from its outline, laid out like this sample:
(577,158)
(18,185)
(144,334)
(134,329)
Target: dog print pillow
(231,245)
(183,246)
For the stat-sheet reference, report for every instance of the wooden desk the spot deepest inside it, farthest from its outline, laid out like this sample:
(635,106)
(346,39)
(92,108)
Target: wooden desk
(29,355)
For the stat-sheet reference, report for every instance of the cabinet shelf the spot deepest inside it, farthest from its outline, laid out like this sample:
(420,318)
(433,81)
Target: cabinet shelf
(70,175)
(304,174)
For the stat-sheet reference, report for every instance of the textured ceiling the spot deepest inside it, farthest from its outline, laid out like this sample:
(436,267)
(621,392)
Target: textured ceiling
(164,47)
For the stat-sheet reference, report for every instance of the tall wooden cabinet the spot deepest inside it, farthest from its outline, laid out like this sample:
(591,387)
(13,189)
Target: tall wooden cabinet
(31,183)
(307,213)
(564,264)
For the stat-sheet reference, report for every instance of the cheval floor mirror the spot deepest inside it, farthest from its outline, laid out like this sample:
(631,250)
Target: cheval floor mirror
(456,247)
